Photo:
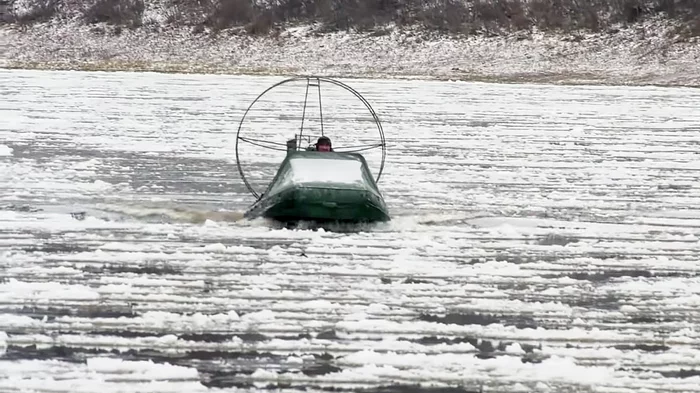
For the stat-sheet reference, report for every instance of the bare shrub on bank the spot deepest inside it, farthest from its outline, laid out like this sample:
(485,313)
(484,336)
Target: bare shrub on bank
(117,12)
(489,17)
(30,11)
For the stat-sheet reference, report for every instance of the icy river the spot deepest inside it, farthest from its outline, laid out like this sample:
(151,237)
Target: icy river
(544,238)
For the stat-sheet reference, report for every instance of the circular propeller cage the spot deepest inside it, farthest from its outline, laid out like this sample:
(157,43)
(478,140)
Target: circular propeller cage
(311,82)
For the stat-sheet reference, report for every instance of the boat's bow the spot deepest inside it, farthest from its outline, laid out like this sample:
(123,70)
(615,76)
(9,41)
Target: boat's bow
(322,186)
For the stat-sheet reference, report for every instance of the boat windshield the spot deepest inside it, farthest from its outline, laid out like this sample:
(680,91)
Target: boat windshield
(337,170)
(325,170)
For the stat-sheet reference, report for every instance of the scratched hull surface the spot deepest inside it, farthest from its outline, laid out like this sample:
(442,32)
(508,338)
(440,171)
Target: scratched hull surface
(542,239)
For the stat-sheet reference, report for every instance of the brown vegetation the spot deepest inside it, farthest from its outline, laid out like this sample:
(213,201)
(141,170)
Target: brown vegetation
(127,13)
(488,17)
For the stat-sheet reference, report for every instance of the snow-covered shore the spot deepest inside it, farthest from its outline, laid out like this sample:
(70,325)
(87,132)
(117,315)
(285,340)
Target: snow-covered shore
(640,55)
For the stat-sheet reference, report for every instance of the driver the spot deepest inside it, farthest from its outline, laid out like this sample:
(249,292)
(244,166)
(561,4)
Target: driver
(324,144)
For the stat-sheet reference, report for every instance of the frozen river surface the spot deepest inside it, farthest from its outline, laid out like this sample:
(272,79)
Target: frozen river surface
(543,239)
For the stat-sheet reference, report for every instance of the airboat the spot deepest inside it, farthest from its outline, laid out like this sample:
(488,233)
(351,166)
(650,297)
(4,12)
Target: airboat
(313,185)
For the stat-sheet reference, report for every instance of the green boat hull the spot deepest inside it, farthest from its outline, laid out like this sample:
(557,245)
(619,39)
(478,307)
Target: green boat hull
(322,187)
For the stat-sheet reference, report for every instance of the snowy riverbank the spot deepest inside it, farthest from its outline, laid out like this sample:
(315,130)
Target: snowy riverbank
(645,54)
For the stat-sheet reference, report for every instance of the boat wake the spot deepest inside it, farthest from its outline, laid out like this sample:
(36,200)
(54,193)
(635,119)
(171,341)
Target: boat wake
(172,214)
(165,213)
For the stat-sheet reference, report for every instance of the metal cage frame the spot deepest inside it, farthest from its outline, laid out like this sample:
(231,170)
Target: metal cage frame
(273,145)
